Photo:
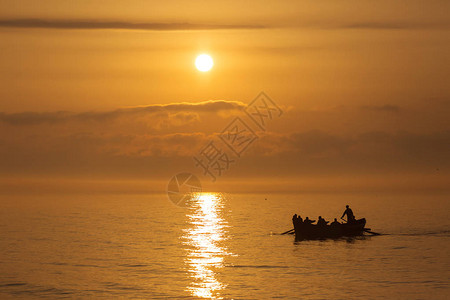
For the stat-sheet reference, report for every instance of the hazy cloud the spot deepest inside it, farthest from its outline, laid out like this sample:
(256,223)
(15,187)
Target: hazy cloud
(91,24)
(177,26)
(382,108)
(158,140)
(182,110)
(393,25)
(367,25)
(299,153)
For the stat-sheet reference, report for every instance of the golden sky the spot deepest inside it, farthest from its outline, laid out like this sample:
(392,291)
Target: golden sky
(108,89)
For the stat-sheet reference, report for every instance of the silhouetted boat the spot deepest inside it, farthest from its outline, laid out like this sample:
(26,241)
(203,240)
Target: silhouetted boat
(309,231)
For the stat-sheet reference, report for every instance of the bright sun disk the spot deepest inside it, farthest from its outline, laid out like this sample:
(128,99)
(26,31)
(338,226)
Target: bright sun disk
(204,62)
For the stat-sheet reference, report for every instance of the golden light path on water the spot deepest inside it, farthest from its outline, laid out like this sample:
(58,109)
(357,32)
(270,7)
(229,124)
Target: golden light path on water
(204,239)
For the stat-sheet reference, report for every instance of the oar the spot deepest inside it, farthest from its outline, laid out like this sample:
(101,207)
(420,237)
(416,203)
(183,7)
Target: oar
(371,232)
(288,231)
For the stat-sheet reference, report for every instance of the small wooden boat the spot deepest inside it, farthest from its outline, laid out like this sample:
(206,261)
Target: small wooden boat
(305,231)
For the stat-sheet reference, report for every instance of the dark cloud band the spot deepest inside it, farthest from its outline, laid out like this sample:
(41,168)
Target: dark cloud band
(382,108)
(34,118)
(89,24)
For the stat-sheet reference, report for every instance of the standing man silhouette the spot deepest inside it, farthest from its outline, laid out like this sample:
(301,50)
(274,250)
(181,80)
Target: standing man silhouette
(350,217)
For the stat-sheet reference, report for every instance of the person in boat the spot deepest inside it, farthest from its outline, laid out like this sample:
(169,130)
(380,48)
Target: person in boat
(308,221)
(297,219)
(322,222)
(350,217)
(335,222)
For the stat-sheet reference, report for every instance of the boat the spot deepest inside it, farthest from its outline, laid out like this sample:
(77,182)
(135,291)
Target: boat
(305,231)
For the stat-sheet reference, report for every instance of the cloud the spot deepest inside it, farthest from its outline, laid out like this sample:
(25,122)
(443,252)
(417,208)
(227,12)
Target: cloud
(367,24)
(380,144)
(36,23)
(382,108)
(392,25)
(181,111)
(90,25)
(161,139)
(136,153)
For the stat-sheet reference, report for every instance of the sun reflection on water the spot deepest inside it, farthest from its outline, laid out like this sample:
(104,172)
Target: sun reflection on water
(204,244)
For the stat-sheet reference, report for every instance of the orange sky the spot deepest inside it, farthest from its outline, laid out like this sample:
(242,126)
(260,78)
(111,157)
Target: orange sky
(363,85)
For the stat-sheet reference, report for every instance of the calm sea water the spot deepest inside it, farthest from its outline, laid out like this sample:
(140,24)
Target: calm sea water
(223,246)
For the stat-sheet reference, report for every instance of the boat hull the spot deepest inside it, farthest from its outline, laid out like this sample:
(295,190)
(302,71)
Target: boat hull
(309,231)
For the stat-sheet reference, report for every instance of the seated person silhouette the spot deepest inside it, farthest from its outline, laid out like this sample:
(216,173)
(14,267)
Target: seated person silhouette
(308,221)
(296,220)
(335,223)
(321,221)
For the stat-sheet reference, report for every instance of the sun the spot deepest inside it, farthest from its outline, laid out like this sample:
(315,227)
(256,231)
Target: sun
(204,62)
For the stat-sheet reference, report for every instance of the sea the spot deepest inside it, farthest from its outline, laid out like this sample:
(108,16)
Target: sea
(221,246)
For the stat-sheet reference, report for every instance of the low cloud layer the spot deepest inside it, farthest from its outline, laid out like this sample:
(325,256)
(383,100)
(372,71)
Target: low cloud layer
(398,25)
(298,153)
(69,24)
(382,108)
(35,118)
(157,141)
(91,24)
